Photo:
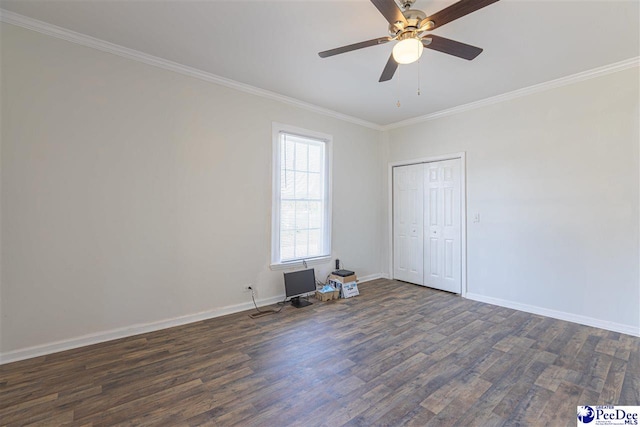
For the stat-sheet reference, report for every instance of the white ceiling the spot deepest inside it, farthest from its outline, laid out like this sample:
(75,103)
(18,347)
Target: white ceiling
(273,45)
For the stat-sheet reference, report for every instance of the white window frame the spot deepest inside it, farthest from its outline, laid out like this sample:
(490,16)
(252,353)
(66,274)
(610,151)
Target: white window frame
(276,263)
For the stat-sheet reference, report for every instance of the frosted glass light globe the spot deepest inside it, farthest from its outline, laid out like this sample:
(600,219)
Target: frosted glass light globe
(407,51)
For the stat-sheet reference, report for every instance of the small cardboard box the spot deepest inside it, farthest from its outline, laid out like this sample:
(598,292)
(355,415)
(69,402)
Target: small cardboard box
(327,296)
(343,280)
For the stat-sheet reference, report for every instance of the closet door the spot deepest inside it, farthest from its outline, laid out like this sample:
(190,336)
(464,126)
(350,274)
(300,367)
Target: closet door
(408,220)
(442,230)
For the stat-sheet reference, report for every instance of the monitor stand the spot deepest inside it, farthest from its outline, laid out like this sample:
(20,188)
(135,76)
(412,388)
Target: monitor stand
(299,303)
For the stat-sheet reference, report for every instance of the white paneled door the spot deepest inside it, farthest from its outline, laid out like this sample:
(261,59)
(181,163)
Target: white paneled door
(408,195)
(434,257)
(442,231)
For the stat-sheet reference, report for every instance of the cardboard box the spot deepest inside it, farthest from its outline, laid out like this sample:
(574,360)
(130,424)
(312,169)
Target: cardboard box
(327,296)
(343,280)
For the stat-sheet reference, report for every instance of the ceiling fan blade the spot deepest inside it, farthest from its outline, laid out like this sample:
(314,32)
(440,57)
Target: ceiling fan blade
(452,47)
(455,11)
(389,69)
(354,46)
(390,10)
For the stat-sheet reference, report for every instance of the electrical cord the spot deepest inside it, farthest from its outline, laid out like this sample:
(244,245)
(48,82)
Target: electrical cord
(261,313)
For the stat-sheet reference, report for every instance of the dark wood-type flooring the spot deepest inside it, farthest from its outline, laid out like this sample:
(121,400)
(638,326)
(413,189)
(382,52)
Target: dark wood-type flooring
(398,354)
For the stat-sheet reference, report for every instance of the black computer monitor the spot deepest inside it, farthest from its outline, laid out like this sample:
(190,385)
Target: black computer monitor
(299,283)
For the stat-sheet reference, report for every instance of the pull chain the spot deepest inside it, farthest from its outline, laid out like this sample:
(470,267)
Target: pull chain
(398,87)
(418,77)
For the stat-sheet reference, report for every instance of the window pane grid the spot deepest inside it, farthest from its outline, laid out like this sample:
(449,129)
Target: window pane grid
(302,202)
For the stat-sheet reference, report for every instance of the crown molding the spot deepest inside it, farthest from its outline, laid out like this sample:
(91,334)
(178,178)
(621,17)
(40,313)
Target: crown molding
(105,46)
(551,84)
(92,42)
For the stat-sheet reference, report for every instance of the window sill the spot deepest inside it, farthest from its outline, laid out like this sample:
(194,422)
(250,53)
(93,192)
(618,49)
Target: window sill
(299,264)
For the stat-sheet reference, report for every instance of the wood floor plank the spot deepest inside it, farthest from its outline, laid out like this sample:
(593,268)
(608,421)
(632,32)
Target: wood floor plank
(613,384)
(630,392)
(530,406)
(398,354)
(27,409)
(561,408)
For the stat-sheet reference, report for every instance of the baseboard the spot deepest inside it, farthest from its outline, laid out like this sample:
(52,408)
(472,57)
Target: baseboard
(371,277)
(561,315)
(142,328)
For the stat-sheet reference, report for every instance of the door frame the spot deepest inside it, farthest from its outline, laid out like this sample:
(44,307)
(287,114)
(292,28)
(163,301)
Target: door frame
(463,209)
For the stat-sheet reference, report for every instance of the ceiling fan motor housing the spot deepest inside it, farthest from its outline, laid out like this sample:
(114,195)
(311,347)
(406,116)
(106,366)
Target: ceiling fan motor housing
(413,17)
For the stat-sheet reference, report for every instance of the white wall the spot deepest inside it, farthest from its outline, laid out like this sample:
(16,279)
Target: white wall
(132,194)
(554,177)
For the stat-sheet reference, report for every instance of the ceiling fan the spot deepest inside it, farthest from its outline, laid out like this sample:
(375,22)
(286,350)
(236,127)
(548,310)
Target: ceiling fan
(408,28)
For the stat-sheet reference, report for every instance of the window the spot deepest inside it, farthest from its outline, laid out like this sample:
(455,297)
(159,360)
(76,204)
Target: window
(301,225)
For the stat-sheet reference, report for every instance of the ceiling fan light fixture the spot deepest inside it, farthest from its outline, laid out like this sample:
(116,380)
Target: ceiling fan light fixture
(408,50)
